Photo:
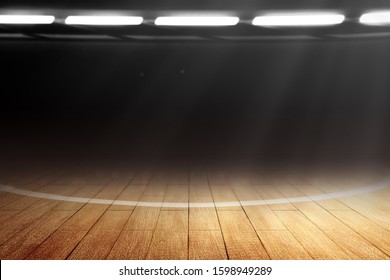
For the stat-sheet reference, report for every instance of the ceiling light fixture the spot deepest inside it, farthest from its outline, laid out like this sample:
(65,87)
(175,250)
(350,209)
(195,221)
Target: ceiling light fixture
(26,19)
(375,18)
(197,21)
(103,20)
(300,19)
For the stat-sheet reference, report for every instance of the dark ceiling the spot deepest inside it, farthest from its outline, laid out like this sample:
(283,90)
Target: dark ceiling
(348,5)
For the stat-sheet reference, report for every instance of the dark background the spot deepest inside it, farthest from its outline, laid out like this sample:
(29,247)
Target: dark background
(287,103)
(249,5)
(237,102)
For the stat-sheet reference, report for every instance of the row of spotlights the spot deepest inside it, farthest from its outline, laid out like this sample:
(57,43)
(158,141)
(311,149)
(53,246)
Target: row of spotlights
(274,19)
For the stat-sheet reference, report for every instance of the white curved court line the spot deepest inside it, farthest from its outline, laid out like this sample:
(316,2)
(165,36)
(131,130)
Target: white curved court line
(375,187)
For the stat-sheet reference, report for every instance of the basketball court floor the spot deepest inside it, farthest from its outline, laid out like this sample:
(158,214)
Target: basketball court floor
(194,214)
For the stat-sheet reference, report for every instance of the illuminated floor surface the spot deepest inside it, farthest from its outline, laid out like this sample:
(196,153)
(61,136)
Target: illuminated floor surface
(355,226)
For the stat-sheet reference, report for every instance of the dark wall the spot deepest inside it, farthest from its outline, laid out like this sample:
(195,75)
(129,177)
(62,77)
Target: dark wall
(284,102)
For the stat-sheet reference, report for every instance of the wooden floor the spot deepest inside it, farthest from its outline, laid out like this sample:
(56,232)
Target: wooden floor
(355,227)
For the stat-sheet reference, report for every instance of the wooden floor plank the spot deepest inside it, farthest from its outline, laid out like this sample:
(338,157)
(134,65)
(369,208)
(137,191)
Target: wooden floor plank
(267,192)
(6,215)
(111,220)
(141,178)
(224,193)
(95,246)
(315,242)
(131,193)
(380,200)
(156,188)
(170,239)
(263,218)
(240,238)
(371,231)
(319,216)
(282,245)
(328,204)
(203,219)
(19,222)
(244,191)
(382,194)
(58,245)
(176,194)
(287,190)
(85,218)
(33,203)
(111,191)
(168,246)
(85,191)
(206,245)
(351,242)
(145,218)
(200,190)
(8,198)
(131,245)
(356,246)
(369,210)
(22,203)
(19,246)
(98,242)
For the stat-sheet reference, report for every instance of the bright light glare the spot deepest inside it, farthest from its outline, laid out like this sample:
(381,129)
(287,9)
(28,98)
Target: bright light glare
(299,19)
(103,20)
(197,21)
(376,18)
(26,19)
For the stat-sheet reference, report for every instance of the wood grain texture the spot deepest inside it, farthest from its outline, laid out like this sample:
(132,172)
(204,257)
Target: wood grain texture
(282,245)
(269,192)
(85,218)
(374,233)
(203,219)
(355,227)
(170,239)
(84,191)
(350,241)
(130,193)
(240,238)
(206,245)
(176,193)
(145,218)
(18,223)
(95,246)
(7,215)
(329,204)
(131,245)
(58,246)
(224,193)
(20,245)
(315,242)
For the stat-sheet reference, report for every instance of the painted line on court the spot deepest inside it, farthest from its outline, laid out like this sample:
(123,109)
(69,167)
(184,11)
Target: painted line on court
(372,188)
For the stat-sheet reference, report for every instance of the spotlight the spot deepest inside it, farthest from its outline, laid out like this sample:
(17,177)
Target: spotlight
(103,20)
(300,19)
(26,19)
(375,18)
(197,21)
